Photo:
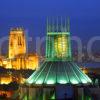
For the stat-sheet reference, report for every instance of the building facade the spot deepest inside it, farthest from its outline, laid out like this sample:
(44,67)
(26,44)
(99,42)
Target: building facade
(17,42)
(18,58)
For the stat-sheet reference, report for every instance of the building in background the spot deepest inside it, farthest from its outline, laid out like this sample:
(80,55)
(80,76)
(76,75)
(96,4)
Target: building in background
(18,57)
(17,42)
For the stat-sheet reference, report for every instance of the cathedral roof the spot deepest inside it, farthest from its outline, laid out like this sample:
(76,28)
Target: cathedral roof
(58,72)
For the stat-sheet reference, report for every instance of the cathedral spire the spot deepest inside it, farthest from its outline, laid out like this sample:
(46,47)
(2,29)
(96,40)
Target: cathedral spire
(57,24)
(47,25)
(53,26)
(68,24)
(61,24)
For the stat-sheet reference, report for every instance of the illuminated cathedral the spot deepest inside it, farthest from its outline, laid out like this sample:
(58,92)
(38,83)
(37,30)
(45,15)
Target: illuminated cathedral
(18,58)
(58,67)
(17,43)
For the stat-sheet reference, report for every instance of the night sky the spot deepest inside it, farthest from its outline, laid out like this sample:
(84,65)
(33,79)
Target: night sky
(31,14)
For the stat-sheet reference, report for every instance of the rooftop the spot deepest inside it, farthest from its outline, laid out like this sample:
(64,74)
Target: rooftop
(58,72)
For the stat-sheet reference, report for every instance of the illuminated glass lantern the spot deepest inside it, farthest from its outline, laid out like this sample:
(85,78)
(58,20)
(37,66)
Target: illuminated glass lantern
(58,41)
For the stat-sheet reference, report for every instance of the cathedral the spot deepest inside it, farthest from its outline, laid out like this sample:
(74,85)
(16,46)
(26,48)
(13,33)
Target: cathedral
(18,58)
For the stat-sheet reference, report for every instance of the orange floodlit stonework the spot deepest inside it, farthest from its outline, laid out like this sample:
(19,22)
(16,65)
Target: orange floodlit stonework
(17,42)
(18,58)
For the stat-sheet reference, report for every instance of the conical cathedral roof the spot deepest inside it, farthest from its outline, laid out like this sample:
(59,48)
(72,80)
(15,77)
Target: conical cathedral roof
(58,72)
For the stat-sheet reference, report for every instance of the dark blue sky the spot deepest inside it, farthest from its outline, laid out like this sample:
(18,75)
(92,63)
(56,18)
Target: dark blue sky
(31,14)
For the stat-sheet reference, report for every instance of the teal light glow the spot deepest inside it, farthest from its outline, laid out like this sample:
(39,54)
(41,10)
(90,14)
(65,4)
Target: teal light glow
(84,81)
(39,82)
(58,46)
(53,97)
(62,82)
(50,82)
(51,74)
(89,80)
(58,33)
(73,81)
(29,81)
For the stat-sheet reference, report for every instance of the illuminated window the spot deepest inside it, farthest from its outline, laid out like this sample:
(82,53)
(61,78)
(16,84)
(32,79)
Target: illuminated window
(58,46)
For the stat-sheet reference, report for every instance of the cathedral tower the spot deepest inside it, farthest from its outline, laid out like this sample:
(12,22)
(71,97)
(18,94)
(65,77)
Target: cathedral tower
(17,42)
(58,40)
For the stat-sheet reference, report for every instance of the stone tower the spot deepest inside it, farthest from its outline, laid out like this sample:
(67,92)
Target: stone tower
(17,42)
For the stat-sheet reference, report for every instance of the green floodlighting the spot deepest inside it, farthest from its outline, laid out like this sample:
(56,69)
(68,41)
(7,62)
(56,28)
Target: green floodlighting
(59,72)
(39,81)
(58,42)
(62,81)
(53,97)
(58,68)
(51,82)
(73,81)
(29,81)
